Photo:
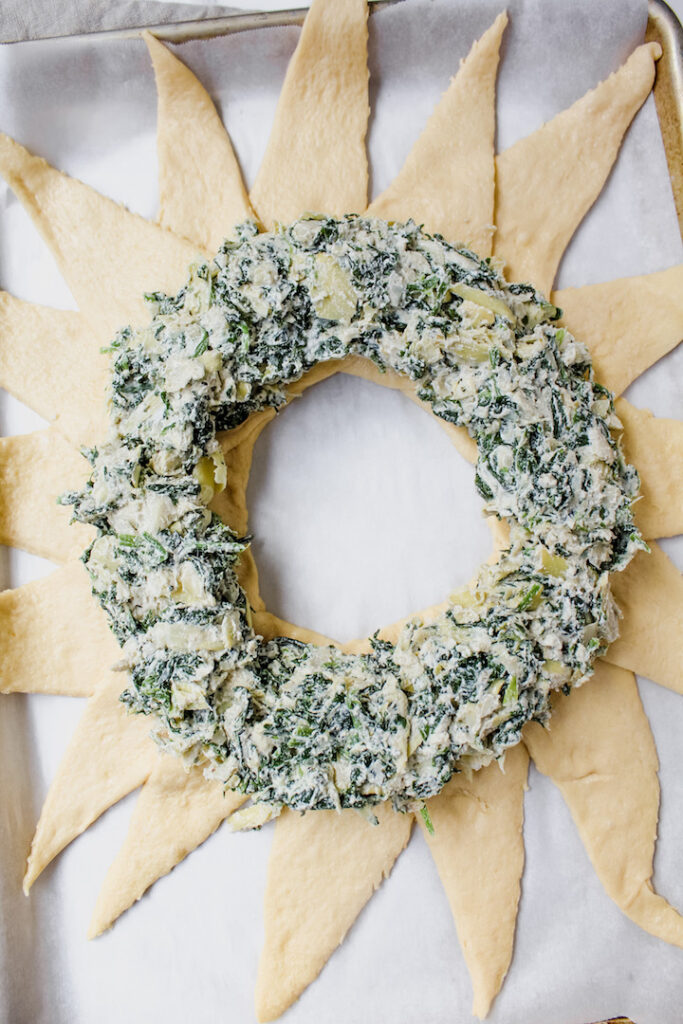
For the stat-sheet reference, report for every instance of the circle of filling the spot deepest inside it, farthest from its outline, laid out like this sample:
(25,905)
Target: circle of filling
(290,723)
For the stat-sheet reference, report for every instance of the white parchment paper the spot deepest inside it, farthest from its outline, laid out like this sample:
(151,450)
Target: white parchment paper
(361,512)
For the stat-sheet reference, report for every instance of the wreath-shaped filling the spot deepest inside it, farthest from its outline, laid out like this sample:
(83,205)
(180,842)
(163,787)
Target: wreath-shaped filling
(313,727)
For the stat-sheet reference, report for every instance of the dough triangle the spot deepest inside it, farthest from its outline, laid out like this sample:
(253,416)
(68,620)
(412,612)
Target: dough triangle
(34,470)
(175,812)
(447,181)
(108,256)
(51,360)
(547,182)
(600,753)
(627,324)
(655,447)
(202,193)
(269,626)
(109,755)
(649,592)
(306,914)
(315,160)
(478,849)
(55,635)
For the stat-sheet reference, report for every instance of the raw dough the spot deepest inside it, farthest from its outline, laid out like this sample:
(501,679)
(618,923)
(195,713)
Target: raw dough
(484,812)
(600,752)
(446,182)
(175,812)
(42,652)
(34,470)
(323,869)
(315,161)
(201,190)
(109,755)
(627,324)
(89,234)
(655,447)
(650,595)
(50,360)
(300,169)
(547,182)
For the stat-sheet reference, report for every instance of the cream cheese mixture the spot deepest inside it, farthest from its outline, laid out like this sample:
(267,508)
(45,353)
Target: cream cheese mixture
(287,722)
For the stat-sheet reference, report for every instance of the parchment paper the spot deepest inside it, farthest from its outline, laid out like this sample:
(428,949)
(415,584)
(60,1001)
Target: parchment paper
(366,475)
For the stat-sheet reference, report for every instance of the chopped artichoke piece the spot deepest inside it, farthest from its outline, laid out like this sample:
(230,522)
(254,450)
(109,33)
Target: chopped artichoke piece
(212,472)
(333,295)
(253,816)
(553,565)
(557,669)
(482,298)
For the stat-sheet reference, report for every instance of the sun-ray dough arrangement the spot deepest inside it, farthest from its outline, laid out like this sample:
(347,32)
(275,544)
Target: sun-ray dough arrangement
(534,225)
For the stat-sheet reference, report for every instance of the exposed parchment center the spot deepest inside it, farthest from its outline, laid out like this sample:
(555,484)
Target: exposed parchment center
(352,498)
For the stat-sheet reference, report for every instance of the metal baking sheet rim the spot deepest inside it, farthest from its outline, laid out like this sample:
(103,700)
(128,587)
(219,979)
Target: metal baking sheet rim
(664,27)
(200,28)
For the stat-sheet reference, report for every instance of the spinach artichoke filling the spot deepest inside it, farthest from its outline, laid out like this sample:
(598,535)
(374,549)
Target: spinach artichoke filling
(312,727)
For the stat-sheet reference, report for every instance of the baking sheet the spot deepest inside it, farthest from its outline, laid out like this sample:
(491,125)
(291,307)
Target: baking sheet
(363,472)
